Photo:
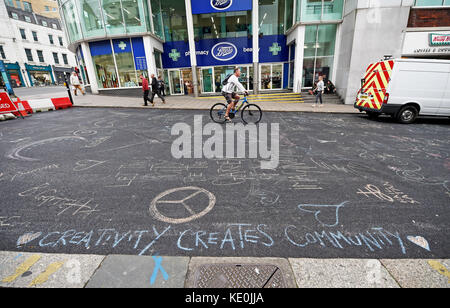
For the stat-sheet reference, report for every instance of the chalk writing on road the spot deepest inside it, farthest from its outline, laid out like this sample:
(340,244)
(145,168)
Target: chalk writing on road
(321,210)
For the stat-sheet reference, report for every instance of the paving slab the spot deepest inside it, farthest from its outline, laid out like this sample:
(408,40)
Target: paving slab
(282,265)
(420,273)
(21,270)
(120,271)
(341,273)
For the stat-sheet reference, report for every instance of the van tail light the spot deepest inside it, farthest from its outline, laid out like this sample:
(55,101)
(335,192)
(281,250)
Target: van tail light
(386,98)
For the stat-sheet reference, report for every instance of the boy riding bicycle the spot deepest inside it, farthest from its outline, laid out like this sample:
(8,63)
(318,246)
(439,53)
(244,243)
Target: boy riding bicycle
(228,91)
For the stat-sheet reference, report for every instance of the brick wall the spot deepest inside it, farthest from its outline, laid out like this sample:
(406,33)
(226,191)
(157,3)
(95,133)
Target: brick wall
(429,18)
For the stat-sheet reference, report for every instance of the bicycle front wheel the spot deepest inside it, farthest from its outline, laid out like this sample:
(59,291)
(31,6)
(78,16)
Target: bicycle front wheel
(251,114)
(218,112)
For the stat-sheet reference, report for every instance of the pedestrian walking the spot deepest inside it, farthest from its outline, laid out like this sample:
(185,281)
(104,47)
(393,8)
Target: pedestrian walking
(320,88)
(145,89)
(156,91)
(75,82)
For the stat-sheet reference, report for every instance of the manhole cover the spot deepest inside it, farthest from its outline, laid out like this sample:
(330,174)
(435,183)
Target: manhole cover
(238,276)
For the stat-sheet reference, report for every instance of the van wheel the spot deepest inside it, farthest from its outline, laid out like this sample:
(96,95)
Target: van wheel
(407,115)
(372,115)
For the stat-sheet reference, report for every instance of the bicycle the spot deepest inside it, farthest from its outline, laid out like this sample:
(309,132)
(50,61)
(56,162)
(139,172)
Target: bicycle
(250,114)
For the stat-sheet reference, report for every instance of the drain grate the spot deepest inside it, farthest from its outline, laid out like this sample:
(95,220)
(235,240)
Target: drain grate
(238,276)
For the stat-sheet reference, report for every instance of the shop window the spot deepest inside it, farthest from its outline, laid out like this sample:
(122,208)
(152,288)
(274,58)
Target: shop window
(40,56)
(319,53)
(125,63)
(29,55)
(103,60)
(222,25)
(271,76)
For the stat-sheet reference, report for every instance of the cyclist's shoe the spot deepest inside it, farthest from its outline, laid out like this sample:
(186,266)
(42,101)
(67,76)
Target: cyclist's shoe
(227,120)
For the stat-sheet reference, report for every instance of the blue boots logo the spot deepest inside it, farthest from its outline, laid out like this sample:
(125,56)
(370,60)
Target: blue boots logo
(221,4)
(224,51)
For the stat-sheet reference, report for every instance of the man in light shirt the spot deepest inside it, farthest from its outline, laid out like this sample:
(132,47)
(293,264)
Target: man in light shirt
(319,91)
(228,91)
(75,82)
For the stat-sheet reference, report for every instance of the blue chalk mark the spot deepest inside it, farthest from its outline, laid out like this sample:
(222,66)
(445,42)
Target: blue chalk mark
(158,267)
(317,209)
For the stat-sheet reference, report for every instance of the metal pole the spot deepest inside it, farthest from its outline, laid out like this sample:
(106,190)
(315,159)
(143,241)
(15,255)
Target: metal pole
(66,83)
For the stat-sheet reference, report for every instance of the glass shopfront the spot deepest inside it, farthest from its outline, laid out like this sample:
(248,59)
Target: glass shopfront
(319,53)
(271,76)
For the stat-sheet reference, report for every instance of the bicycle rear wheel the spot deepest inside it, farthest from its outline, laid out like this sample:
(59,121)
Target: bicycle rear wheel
(251,114)
(217,113)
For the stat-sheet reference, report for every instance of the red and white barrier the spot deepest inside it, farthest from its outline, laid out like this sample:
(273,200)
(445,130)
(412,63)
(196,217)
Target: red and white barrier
(9,108)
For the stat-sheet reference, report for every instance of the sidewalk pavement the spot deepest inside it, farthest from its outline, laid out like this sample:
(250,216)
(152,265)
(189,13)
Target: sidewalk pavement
(192,103)
(40,270)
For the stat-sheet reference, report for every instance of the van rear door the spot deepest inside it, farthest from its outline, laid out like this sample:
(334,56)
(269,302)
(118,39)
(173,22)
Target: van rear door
(374,85)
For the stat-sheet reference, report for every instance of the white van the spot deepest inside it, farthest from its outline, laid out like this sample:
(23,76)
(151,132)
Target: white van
(405,89)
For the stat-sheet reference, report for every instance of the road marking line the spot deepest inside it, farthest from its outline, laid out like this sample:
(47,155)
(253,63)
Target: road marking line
(22,268)
(43,277)
(440,268)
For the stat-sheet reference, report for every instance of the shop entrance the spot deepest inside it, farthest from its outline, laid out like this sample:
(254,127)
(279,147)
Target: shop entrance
(207,80)
(271,76)
(176,82)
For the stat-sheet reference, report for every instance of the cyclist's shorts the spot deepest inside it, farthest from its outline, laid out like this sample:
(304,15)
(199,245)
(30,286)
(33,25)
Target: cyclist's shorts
(229,96)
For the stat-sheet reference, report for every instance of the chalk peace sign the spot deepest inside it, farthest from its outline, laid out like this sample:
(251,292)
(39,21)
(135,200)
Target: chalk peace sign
(192,192)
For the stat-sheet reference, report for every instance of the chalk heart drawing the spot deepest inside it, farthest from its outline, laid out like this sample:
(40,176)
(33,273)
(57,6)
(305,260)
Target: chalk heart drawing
(323,211)
(191,192)
(28,237)
(419,241)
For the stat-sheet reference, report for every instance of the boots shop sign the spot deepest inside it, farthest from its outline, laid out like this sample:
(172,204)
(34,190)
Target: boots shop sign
(215,6)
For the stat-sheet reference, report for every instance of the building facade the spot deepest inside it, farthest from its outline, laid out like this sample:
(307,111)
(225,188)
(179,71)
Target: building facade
(33,48)
(278,44)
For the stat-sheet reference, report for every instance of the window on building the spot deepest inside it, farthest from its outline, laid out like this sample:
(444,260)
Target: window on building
(35,37)
(23,34)
(50,38)
(9,3)
(432,3)
(61,43)
(14,15)
(55,57)
(318,57)
(29,54)
(44,23)
(222,25)
(103,60)
(271,17)
(65,60)
(2,52)
(27,6)
(71,20)
(54,26)
(91,18)
(47,8)
(157,18)
(18,5)
(27,18)
(319,10)
(125,63)
(174,20)
(40,56)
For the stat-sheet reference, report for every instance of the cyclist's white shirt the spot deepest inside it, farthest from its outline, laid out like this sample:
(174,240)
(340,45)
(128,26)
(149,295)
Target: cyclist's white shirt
(233,82)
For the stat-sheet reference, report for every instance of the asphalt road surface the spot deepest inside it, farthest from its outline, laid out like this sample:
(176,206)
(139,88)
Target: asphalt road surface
(102,181)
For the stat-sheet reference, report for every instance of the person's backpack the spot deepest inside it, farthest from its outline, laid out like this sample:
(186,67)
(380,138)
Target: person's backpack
(160,84)
(225,81)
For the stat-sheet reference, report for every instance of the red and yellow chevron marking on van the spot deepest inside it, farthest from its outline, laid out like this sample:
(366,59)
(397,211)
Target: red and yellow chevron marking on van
(377,78)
